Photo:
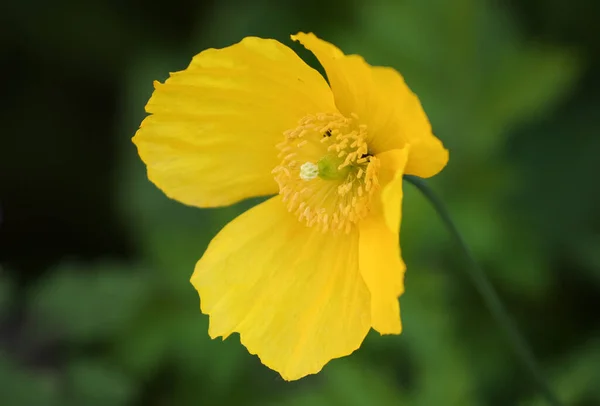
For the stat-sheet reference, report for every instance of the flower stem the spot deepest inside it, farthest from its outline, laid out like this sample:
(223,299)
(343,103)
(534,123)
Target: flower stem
(488,293)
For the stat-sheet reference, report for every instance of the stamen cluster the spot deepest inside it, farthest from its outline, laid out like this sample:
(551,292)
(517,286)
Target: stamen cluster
(338,193)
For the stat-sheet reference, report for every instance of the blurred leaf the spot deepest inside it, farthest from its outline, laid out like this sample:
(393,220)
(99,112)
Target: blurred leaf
(177,333)
(218,362)
(89,303)
(352,384)
(525,270)
(348,383)
(142,350)
(444,376)
(576,377)
(525,82)
(19,387)
(94,383)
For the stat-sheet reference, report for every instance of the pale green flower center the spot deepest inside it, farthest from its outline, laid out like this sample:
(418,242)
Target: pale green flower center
(329,168)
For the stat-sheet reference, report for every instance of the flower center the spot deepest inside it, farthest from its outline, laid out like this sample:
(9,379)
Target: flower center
(327,177)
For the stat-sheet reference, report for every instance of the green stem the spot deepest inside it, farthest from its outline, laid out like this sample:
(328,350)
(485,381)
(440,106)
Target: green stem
(488,293)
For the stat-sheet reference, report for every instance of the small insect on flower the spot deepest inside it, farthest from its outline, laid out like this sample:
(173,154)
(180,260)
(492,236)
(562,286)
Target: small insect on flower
(303,276)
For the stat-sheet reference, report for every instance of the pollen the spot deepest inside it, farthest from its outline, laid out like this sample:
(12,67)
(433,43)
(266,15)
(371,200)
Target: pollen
(334,193)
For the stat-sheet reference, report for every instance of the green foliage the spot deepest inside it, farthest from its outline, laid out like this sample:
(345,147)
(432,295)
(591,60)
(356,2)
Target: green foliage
(22,387)
(96,383)
(89,304)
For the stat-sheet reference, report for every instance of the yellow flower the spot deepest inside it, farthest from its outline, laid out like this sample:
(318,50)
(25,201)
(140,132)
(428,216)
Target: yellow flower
(303,276)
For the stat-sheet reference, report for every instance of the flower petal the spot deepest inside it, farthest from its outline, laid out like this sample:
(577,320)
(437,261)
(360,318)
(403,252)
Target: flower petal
(294,294)
(380,261)
(382,100)
(211,138)
(406,121)
(393,167)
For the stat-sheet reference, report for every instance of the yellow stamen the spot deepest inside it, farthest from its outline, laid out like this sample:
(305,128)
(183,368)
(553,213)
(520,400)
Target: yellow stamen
(336,192)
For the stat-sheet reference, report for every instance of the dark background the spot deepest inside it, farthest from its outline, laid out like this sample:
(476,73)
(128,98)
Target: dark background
(95,303)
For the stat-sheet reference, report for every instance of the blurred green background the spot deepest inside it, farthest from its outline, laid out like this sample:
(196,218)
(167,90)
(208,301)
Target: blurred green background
(95,304)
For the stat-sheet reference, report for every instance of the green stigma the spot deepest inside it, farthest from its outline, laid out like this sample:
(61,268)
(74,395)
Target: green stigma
(328,168)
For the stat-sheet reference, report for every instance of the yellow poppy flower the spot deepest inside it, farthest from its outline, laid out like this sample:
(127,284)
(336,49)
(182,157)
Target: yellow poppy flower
(303,276)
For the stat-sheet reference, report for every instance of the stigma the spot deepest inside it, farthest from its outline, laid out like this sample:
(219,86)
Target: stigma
(309,171)
(327,177)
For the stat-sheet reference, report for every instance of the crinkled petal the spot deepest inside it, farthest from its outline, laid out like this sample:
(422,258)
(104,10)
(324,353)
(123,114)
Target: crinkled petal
(380,260)
(294,294)
(211,137)
(382,100)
